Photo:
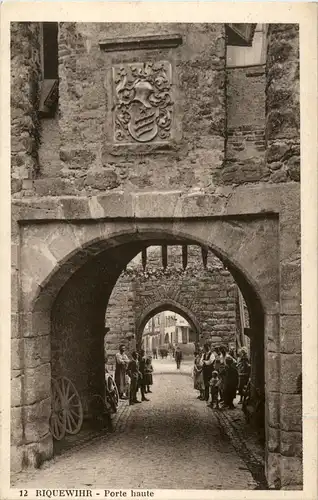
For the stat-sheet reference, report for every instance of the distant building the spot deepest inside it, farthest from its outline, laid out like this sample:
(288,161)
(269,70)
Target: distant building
(166,328)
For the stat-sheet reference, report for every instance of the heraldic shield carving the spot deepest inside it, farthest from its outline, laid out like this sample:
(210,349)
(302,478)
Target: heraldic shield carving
(143,105)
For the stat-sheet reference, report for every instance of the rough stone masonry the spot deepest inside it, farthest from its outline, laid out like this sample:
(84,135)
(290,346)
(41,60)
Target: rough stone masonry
(205,294)
(154,141)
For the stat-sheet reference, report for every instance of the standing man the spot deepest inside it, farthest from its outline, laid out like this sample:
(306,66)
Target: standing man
(178,357)
(133,372)
(207,369)
(122,361)
(141,381)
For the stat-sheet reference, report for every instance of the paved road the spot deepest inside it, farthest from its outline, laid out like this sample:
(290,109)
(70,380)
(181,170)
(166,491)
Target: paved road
(173,441)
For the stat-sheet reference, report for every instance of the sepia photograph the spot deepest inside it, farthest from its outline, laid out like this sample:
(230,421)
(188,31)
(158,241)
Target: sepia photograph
(156,332)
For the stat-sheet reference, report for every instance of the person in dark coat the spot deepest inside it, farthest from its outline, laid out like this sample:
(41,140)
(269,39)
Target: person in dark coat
(230,383)
(178,357)
(141,381)
(134,374)
(148,380)
(244,370)
(122,361)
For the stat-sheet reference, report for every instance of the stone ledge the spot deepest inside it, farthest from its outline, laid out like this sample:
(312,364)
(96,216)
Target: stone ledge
(141,42)
(224,201)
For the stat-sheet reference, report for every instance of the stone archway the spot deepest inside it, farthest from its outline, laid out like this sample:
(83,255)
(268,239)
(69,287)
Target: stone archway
(57,272)
(160,304)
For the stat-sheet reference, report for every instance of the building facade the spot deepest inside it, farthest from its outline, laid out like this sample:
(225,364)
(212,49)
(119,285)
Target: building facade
(166,329)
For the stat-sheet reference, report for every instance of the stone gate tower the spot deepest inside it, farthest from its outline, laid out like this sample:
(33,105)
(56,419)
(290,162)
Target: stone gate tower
(130,135)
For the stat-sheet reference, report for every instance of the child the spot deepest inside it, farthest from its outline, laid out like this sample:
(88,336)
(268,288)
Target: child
(134,374)
(148,374)
(214,388)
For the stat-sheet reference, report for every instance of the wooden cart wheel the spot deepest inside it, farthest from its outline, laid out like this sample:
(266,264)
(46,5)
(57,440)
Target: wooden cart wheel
(57,420)
(72,406)
(112,388)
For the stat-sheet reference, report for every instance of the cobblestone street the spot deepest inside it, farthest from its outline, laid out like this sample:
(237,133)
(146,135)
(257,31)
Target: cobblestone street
(172,441)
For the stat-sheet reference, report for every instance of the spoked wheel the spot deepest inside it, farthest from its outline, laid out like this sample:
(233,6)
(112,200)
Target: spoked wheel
(111,402)
(112,389)
(57,420)
(72,406)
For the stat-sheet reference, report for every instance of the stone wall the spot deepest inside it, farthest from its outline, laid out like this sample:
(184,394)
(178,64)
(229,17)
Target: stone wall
(283,112)
(284,351)
(207,294)
(245,145)
(219,143)
(25,130)
(82,159)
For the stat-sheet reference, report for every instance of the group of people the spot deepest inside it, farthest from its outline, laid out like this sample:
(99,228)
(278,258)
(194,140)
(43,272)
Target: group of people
(132,375)
(219,375)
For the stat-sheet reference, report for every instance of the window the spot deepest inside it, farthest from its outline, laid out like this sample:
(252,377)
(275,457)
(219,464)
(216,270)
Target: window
(50,51)
(49,84)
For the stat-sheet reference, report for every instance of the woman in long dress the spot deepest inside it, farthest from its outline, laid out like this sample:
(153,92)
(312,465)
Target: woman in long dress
(122,361)
(198,374)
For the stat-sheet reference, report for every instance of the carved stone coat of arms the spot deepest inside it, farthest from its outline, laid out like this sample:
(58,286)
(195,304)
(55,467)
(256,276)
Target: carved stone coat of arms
(142,102)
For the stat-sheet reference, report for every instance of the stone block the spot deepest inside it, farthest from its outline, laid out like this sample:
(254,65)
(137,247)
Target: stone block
(36,265)
(273,440)
(290,334)
(272,373)
(216,338)
(290,283)
(37,351)
(273,401)
(62,243)
(153,203)
(36,420)
(102,180)
(15,325)
(16,427)
(53,187)
(291,369)
(16,459)
(36,453)
(14,291)
(15,249)
(17,354)
(37,384)
(16,388)
(291,412)
(291,444)
(272,470)
(289,232)
(291,473)
(116,204)
(75,208)
(35,324)
(280,175)
(31,209)
(272,332)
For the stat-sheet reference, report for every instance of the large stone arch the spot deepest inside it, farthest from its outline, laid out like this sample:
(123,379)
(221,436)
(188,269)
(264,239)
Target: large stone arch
(52,266)
(51,253)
